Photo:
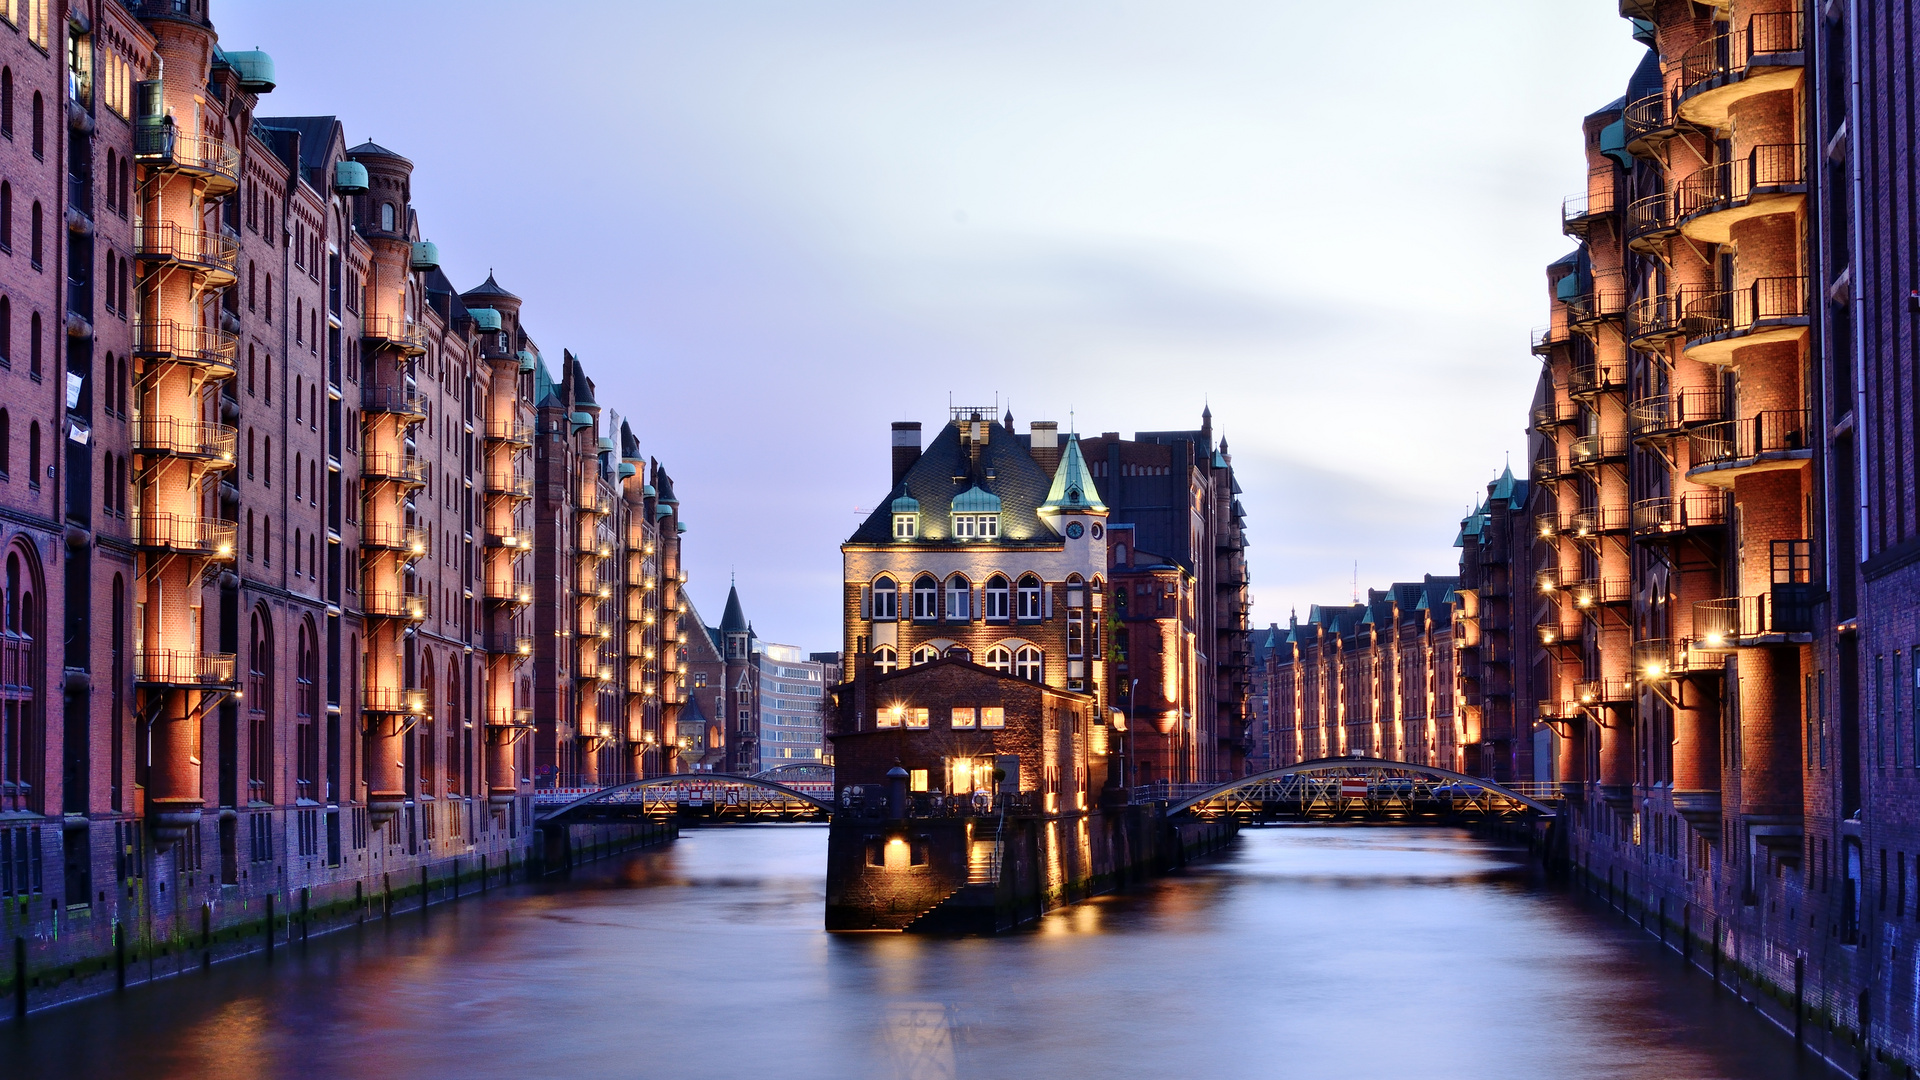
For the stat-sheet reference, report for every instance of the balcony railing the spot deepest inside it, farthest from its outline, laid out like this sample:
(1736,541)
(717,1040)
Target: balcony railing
(388,537)
(1671,514)
(1771,169)
(396,700)
(1647,118)
(1649,219)
(1608,690)
(1596,449)
(592,501)
(209,252)
(1676,411)
(1600,521)
(1607,300)
(1546,337)
(509,591)
(1731,443)
(174,667)
(512,539)
(1655,659)
(509,486)
(205,346)
(1597,592)
(198,439)
(1769,618)
(1653,318)
(391,603)
(1555,411)
(592,547)
(1770,301)
(1577,212)
(520,719)
(509,430)
(161,146)
(1596,376)
(393,399)
(1727,57)
(400,468)
(387,330)
(183,534)
(1550,466)
(510,644)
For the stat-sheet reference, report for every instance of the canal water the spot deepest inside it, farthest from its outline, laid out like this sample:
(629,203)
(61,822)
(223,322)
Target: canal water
(1300,952)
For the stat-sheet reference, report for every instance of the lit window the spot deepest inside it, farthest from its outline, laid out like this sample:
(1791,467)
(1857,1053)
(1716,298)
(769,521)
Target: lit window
(926,597)
(1029,597)
(1029,664)
(904,526)
(917,781)
(976,526)
(959,599)
(892,715)
(993,716)
(925,654)
(919,719)
(963,718)
(886,599)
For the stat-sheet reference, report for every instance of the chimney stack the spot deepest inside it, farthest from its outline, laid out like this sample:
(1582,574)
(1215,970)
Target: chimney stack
(906,448)
(1043,441)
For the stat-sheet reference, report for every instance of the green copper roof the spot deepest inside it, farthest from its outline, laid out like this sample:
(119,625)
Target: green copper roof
(485,318)
(349,178)
(974,500)
(627,469)
(906,504)
(647,492)
(255,69)
(527,360)
(1073,489)
(581,419)
(543,394)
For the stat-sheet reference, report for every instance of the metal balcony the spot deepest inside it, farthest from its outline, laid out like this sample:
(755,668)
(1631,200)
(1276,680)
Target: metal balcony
(388,602)
(1546,337)
(510,719)
(512,539)
(1591,593)
(509,486)
(1671,516)
(201,346)
(592,501)
(1608,690)
(181,534)
(394,399)
(158,145)
(1578,213)
(394,700)
(1656,659)
(1771,179)
(381,536)
(179,668)
(1607,300)
(1764,56)
(404,469)
(1554,412)
(510,644)
(1783,615)
(1769,441)
(1673,413)
(1650,221)
(510,431)
(195,440)
(1596,377)
(1548,524)
(1595,522)
(215,256)
(1767,309)
(509,591)
(388,331)
(1592,451)
(1645,121)
(1652,321)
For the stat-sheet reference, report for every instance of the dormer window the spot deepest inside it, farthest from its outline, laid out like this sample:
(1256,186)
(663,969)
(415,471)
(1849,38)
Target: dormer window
(976,526)
(905,525)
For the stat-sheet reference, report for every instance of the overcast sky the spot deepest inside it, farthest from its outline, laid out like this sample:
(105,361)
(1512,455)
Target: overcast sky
(772,228)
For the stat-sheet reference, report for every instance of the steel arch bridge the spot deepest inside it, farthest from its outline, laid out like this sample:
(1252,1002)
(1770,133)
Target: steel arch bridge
(1357,787)
(719,795)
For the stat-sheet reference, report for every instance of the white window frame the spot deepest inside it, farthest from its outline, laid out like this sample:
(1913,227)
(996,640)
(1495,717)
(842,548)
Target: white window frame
(926,601)
(1030,664)
(959,599)
(1029,601)
(905,526)
(997,601)
(886,599)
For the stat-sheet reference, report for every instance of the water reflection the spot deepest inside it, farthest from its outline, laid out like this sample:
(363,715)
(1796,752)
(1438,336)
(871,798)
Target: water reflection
(1313,951)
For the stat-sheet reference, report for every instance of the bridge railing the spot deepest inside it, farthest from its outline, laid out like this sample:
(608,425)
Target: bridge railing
(870,803)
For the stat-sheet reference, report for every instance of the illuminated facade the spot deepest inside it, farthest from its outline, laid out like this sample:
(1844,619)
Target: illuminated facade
(266,499)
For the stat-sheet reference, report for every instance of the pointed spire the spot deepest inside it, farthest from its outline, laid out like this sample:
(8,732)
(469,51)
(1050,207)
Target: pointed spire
(1073,488)
(734,619)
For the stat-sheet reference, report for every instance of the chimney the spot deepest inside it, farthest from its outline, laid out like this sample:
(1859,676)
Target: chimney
(1043,440)
(906,448)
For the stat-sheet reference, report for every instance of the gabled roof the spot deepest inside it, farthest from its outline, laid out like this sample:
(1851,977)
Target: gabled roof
(1016,480)
(1073,489)
(316,135)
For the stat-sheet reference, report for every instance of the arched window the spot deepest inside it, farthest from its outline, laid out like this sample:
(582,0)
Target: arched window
(113,168)
(306,709)
(6,102)
(886,598)
(36,240)
(996,599)
(454,727)
(266,460)
(386,216)
(1098,584)
(6,215)
(925,654)
(260,702)
(1029,664)
(6,329)
(959,599)
(33,345)
(299,399)
(1119,554)
(298,477)
(39,125)
(999,658)
(959,652)
(926,597)
(33,454)
(6,443)
(266,541)
(1029,599)
(313,482)
(296,551)
(22,749)
(428,728)
(885,660)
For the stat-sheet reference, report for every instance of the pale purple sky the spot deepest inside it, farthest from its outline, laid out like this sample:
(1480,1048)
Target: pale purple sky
(772,228)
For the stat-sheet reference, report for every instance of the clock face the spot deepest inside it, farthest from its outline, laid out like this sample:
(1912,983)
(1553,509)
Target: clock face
(1074,530)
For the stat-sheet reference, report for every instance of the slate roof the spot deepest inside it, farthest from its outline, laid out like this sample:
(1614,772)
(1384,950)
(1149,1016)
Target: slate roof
(374,149)
(316,134)
(1017,479)
(733,620)
(488,290)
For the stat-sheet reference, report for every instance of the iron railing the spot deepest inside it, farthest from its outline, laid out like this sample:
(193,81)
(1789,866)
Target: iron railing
(388,602)
(515,539)
(509,590)
(389,537)
(1607,690)
(185,534)
(1555,411)
(1731,183)
(1596,521)
(1677,410)
(393,399)
(514,487)
(184,438)
(1578,211)
(1766,300)
(204,345)
(1595,592)
(1595,376)
(1659,658)
(1772,431)
(1732,621)
(162,146)
(1726,56)
(509,430)
(404,468)
(1590,450)
(404,334)
(175,667)
(1669,514)
(1646,117)
(405,700)
(1650,217)
(193,247)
